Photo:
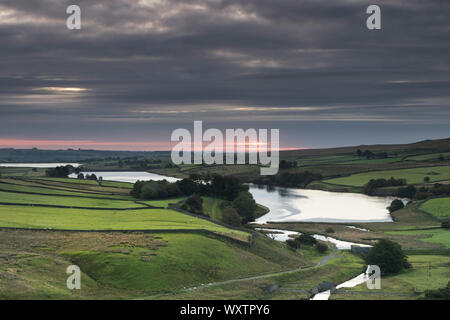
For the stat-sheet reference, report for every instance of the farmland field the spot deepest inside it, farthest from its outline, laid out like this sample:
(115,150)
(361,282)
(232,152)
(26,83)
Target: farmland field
(23,198)
(412,176)
(439,207)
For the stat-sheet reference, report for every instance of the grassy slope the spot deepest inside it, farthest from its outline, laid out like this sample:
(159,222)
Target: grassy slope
(428,272)
(32,264)
(23,198)
(412,176)
(439,207)
(80,219)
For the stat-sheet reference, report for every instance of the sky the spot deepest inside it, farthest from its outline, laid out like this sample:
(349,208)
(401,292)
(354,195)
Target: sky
(138,69)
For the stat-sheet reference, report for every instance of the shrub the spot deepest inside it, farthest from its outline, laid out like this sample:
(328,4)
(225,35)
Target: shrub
(321,247)
(445,225)
(306,239)
(293,243)
(439,294)
(245,205)
(194,204)
(389,256)
(329,230)
(396,205)
(406,192)
(231,217)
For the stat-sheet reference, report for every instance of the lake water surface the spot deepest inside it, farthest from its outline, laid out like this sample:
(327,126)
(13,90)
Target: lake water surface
(303,205)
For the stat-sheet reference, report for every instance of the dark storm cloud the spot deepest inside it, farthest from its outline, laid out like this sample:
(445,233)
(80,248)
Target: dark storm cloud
(137,69)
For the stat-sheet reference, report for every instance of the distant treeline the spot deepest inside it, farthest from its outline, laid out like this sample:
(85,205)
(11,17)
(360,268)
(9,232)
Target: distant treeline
(370,187)
(72,155)
(405,191)
(289,179)
(370,155)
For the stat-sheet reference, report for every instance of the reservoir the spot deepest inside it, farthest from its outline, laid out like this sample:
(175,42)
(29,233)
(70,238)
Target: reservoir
(304,205)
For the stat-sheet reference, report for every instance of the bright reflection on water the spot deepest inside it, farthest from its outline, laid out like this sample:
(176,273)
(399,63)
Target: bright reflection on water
(293,205)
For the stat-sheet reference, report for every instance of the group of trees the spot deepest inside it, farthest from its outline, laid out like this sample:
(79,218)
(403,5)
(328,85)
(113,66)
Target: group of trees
(239,206)
(289,179)
(370,155)
(370,187)
(308,240)
(286,164)
(436,190)
(60,172)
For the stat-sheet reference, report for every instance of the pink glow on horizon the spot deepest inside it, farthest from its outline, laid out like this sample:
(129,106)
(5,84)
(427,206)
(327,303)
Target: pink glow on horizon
(101,145)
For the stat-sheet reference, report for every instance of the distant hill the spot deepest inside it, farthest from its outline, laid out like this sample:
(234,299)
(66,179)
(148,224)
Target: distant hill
(426,146)
(37,155)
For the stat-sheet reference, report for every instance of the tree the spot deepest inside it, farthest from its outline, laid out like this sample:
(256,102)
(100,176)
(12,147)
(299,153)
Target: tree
(329,230)
(321,247)
(194,204)
(359,152)
(396,205)
(439,294)
(293,243)
(80,176)
(389,256)
(407,192)
(445,225)
(231,217)
(245,205)
(426,179)
(306,239)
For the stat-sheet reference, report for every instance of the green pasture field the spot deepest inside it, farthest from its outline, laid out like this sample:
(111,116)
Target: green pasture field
(58,191)
(163,203)
(116,184)
(429,157)
(439,236)
(412,176)
(24,198)
(84,185)
(84,219)
(438,207)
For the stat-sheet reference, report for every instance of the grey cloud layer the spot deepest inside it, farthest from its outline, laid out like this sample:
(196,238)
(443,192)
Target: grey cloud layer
(151,65)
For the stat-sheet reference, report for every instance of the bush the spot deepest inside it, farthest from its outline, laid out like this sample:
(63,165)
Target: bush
(59,172)
(389,256)
(445,225)
(231,217)
(293,243)
(245,205)
(380,183)
(306,239)
(321,247)
(396,205)
(439,294)
(406,192)
(194,204)
(329,230)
